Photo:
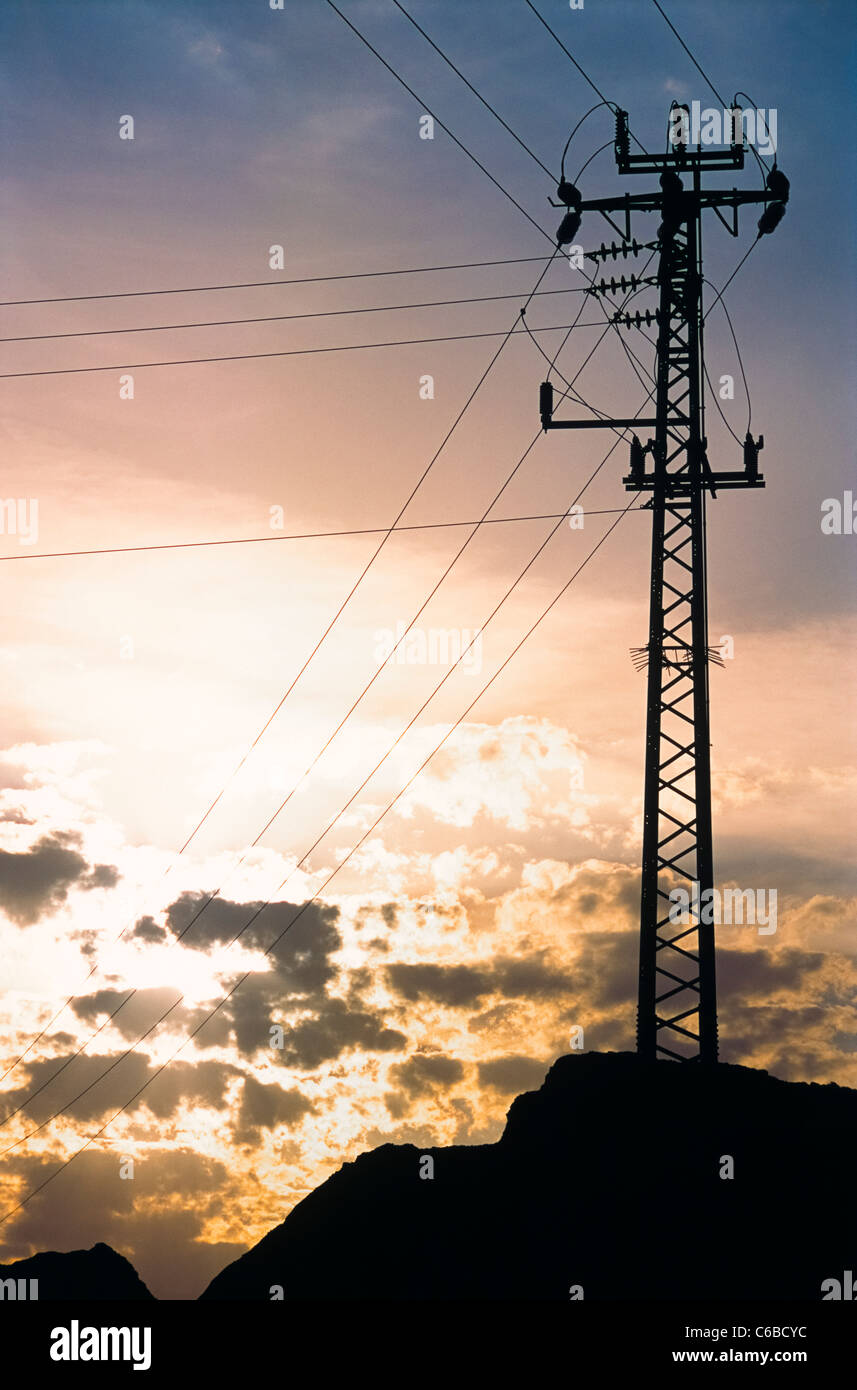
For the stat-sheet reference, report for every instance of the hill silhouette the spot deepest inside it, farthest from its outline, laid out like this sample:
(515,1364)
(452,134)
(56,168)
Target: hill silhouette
(607,1178)
(79,1274)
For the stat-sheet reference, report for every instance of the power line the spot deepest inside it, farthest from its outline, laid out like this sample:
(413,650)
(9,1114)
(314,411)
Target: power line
(367,687)
(560,518)
(477,94)
(40,1187)
(439,122)
(706,78)
(284,318)
(601,148)
(698,67)
(270,822)
(341,864)
(306,663)
(715,398)
(570,391)
(759,160)
(610,106)
(628,352)
(374,677)
(290,352)
(268,284)
(76,371)
(132,993)
(300,535)
(583,73)
(721,292)
(631,356)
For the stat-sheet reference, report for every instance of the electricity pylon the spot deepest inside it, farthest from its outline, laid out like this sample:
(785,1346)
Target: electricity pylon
(677,985)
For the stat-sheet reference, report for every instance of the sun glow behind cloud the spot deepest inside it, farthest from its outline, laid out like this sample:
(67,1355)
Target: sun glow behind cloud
(494,910)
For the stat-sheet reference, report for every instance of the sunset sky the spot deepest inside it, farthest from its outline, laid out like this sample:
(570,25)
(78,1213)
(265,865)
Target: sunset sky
(496,907)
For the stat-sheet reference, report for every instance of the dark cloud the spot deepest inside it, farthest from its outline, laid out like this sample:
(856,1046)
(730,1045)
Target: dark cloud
(605,972)
(193,1083)
(149,931)
(462,986)
(767,968)
(766,1025)
(302,960)
(492,1019)
(265,1107)
(530,976)
(756,861)
(457,986)
(293,993)
(39,879)
(512,1074)
(338,1027)
(90,1087)
(368,916)
(102,876)
(155,1219)
(131,1019)
(423,1074)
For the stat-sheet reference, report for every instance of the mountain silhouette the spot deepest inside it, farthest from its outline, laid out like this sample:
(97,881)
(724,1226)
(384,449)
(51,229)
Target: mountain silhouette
(77,1274)
(609,1182)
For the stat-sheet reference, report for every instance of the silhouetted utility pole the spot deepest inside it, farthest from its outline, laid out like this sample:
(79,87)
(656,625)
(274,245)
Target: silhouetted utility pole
(677,987)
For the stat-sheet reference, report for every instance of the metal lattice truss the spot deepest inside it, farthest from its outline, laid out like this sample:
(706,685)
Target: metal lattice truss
(677,1007)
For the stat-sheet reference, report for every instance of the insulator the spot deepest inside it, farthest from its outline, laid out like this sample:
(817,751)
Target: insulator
(623,140)
(771,217)
(635,320)
(751,454)
(568,194)
(679,136)
(736,115)
(625,249)
(568,227)
(778,184)
(638,459)
(546,402)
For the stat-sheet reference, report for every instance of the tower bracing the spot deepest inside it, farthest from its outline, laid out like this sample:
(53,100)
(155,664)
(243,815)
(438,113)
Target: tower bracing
(677,997)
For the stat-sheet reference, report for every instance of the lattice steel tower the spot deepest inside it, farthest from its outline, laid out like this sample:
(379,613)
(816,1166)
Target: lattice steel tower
(677,1002)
